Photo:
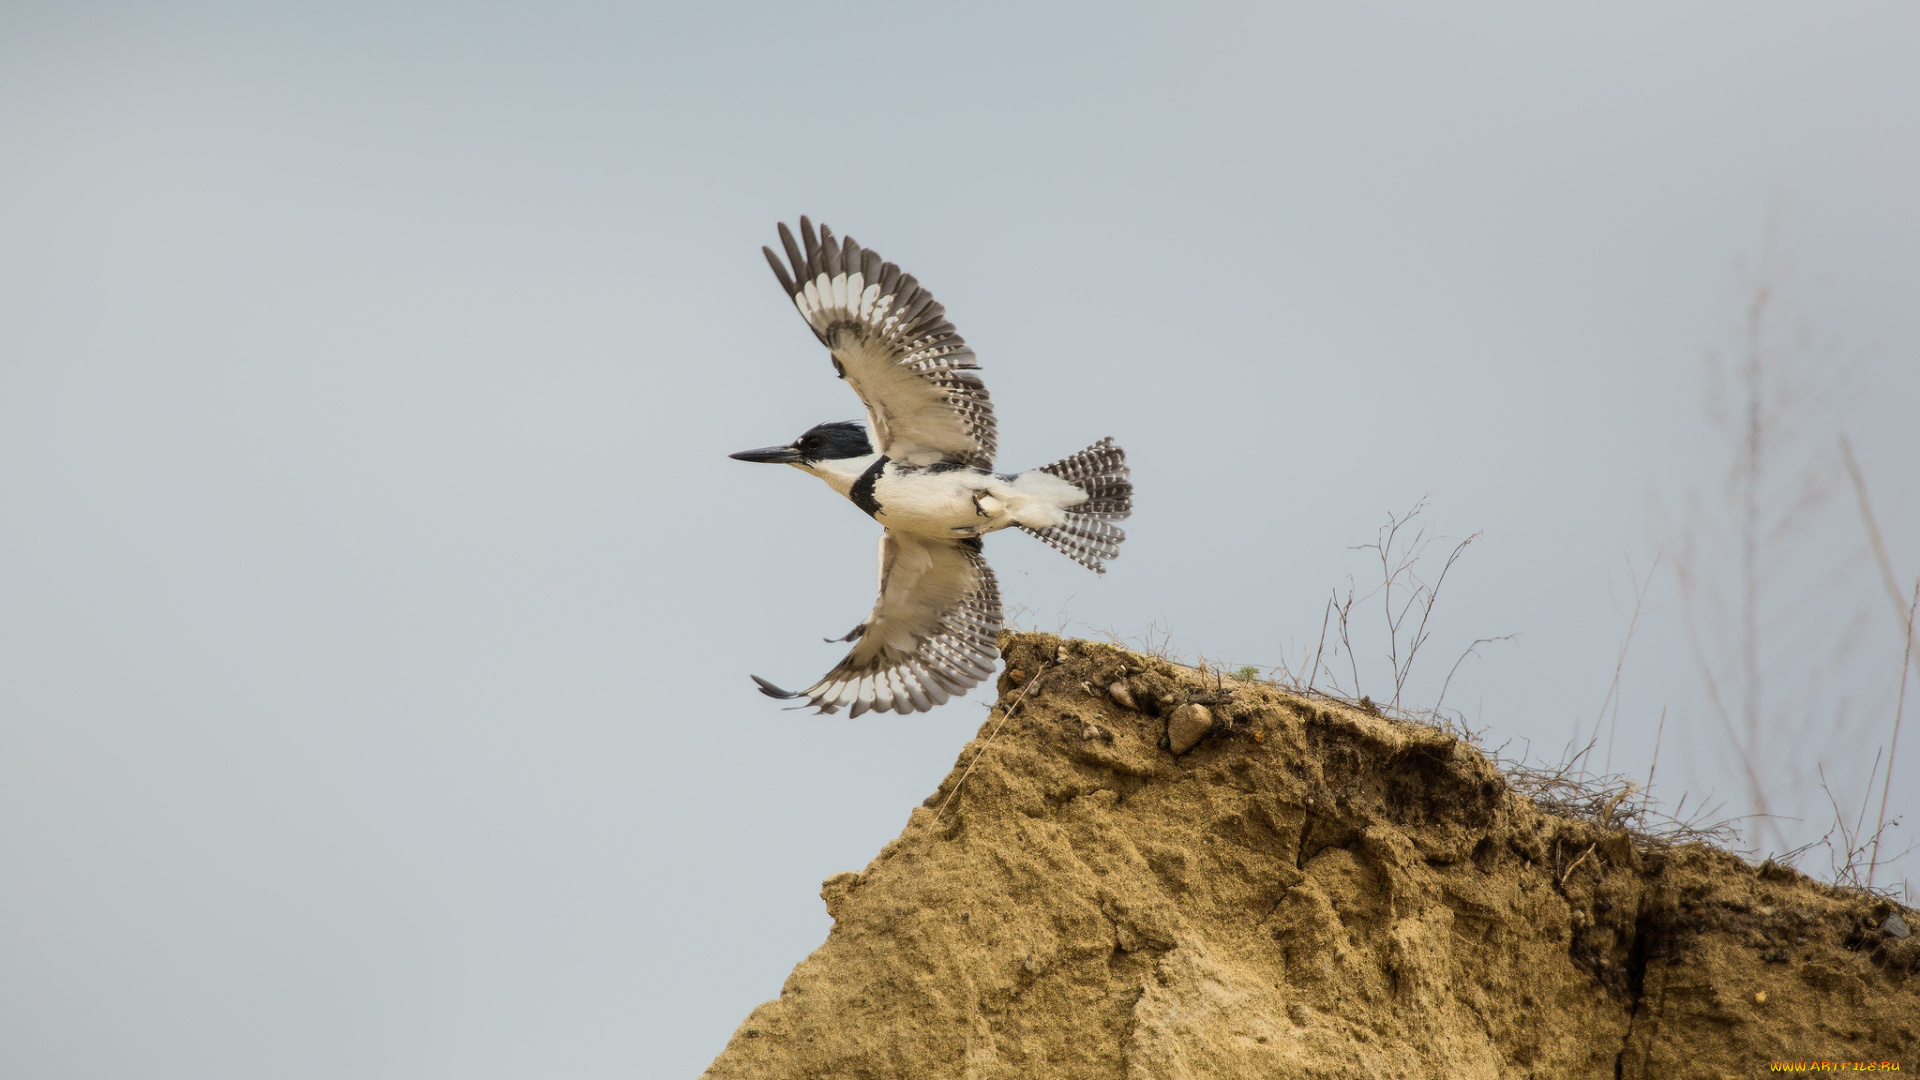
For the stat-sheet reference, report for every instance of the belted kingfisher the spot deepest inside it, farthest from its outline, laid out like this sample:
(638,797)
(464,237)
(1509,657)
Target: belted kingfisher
(922,466)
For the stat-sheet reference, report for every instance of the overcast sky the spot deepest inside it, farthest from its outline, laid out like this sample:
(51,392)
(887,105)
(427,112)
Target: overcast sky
(377,600)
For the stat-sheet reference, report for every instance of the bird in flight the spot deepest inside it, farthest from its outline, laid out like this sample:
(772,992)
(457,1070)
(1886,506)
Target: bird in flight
(922,466)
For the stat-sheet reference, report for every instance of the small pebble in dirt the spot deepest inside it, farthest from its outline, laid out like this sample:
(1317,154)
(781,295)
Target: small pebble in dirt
(1895,926)
(1187,726)
(1122,696)
(1760,997)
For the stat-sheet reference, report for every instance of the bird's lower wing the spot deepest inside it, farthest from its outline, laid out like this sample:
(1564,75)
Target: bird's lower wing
(933,633)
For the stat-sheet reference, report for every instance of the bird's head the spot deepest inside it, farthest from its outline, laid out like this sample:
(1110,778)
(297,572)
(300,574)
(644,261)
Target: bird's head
(841,440)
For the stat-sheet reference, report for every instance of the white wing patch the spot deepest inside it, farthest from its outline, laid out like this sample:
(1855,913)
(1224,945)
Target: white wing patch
(891,340)
(933,633)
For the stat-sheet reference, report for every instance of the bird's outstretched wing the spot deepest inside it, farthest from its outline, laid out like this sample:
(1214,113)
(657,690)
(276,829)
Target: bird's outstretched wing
(933,633)
(891,340)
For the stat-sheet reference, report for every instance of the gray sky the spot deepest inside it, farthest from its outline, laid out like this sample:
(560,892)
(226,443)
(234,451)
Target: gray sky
(377,600)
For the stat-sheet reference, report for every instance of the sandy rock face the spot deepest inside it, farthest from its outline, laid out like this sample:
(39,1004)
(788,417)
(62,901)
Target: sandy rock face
(1304,890)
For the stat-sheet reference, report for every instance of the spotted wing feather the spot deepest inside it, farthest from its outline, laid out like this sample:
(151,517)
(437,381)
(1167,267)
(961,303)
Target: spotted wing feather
(933,633)
(892,341)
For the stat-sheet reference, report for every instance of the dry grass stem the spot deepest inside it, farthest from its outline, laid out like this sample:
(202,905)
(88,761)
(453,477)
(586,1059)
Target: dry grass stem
(1881,559)
(1772,395)
(1575,863)
(1620,663)
(1893,744)
(1569,789)
(1904,609)
(992,735)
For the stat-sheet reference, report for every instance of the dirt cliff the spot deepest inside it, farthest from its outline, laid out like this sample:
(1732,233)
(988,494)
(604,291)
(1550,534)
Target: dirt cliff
(1309,890)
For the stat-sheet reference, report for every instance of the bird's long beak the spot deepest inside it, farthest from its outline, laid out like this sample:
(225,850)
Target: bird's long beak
(772,455)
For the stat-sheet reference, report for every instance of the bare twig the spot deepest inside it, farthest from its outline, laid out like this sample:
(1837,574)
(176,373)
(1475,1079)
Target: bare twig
(1398,547)
(1472,650)
(1426,612)
(1324,616)
(1344,611)
(1845,857)
(1398,570)
(1146,643)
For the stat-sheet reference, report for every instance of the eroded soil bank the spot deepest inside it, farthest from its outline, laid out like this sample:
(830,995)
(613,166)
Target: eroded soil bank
(1310,890)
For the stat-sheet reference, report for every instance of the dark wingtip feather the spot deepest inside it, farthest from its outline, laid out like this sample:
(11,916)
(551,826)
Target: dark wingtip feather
(771,690)
(798,260)
(829,252)
(806,235)
(779,269)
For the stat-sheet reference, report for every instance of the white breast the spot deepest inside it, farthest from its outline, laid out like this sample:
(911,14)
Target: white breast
(946,503)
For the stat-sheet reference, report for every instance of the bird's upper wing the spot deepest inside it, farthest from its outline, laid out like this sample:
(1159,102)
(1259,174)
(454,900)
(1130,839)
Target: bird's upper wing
(891,339)
(933,633)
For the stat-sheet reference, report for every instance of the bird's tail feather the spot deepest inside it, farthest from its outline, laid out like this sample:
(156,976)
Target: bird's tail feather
(1088,536)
